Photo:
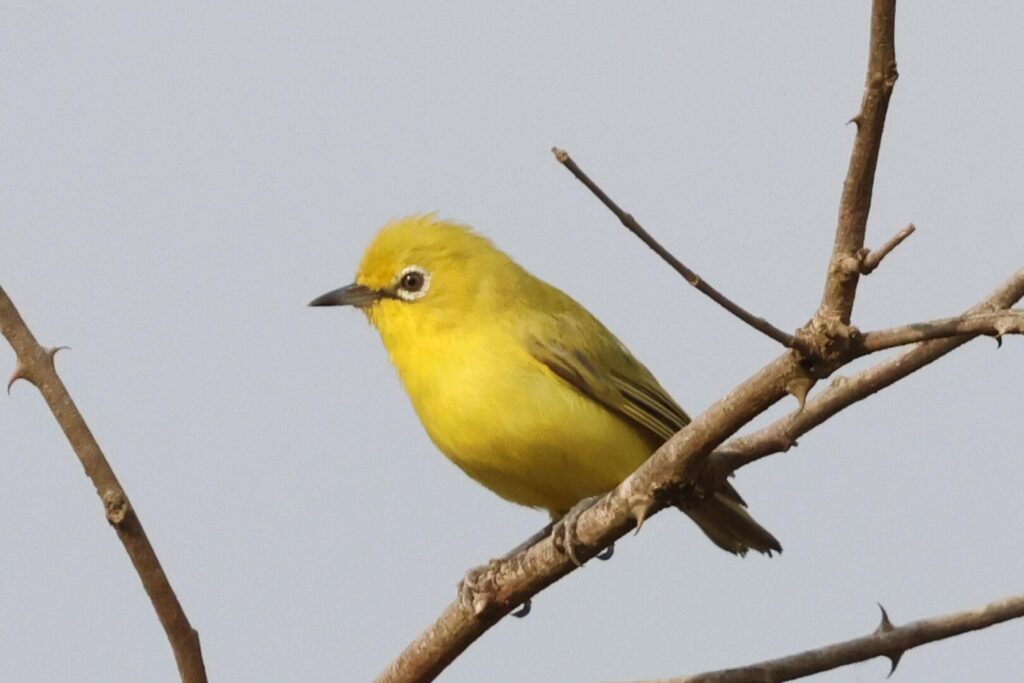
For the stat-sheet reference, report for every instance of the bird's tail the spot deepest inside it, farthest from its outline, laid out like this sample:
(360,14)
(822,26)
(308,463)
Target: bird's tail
(725,520)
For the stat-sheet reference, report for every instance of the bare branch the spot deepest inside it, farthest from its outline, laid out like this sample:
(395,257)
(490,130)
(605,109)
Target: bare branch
(509,584)
(35,364)
(887,641)
(841,284)
(845,391)
(683,462)
(992,324)
(870,259)
(680,460)
(759,324)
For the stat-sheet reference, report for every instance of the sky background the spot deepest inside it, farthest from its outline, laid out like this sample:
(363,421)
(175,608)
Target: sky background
(178,180)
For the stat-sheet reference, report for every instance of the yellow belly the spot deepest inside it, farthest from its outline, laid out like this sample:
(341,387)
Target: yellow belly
(515,427)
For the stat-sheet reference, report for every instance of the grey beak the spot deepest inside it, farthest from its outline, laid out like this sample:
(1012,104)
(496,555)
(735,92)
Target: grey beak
(349,295)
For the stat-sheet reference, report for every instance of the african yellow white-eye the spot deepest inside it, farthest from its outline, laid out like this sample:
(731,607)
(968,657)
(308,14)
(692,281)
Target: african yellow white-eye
(519,385)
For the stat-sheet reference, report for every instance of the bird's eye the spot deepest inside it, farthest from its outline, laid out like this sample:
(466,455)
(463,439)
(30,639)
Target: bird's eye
(413,283)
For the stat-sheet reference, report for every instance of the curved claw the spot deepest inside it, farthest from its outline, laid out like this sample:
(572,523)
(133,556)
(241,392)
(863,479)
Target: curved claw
(564,538)
(523,610)
(606,554)
(563,534)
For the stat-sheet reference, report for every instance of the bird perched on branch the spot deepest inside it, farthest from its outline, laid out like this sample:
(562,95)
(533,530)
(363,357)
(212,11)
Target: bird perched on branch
(519,385)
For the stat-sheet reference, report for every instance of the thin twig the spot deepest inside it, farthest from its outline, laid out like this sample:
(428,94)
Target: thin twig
(759,324)
(871,258)
(994,324)
(35,364)
(681,459)
(887,641)
(841,284)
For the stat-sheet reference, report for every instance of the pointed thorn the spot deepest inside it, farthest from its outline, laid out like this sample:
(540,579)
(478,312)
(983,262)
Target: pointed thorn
(856,119)
(19,373)
(894,660)
(799,388)
(52,351)
(640,511)
(885,625)
(523,610)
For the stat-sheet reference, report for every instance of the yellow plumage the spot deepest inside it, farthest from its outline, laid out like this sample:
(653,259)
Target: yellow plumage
(515,382)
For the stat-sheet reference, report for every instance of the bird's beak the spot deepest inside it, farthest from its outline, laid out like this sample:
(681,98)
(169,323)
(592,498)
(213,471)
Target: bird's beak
(354,294)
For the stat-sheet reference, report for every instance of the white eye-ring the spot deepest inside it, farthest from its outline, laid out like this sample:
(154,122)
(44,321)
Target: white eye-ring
(413,283)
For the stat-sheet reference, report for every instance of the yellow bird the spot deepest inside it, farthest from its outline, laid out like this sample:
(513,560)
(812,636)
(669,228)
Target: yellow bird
(519,385)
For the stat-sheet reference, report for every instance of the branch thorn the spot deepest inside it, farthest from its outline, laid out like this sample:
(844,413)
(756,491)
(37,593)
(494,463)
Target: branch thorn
(884,626)
(51,351)
(799,387)
(19,373)
(641,508)
(894,660)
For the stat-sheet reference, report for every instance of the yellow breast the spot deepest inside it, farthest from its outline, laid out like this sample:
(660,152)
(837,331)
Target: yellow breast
(509,422)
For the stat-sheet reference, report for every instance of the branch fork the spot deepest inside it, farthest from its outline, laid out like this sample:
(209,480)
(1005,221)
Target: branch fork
(699,455)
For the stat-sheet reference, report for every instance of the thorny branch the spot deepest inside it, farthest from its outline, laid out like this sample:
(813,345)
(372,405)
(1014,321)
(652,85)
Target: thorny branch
(825,344)
(994,324)
(35,364)
(781,435)
(680,460)
(888,640)
(841,282)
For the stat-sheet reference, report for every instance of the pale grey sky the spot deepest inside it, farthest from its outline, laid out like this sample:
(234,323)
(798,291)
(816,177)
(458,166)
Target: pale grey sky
(178,180)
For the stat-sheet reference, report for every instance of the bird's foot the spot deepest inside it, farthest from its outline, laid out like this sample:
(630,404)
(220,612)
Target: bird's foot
(478,589)
(563,534)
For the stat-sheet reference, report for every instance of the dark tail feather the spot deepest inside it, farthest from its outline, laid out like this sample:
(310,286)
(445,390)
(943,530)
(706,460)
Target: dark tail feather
(731,527)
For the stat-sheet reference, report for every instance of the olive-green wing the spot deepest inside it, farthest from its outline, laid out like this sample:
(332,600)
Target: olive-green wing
(582,352)
(577,348)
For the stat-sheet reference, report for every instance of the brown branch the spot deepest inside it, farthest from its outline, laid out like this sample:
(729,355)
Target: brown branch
(35,364)
(869,259)
(680,460)
(994,324)
(759,324)
(683,460)
(844,392)
(841,284)
(510,583)
(887,641)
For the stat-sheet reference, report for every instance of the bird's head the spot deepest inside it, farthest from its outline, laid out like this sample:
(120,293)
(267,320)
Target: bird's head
(421,271)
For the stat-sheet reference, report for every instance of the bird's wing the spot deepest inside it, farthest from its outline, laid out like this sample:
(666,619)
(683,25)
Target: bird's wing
(577,348)
(588,357)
